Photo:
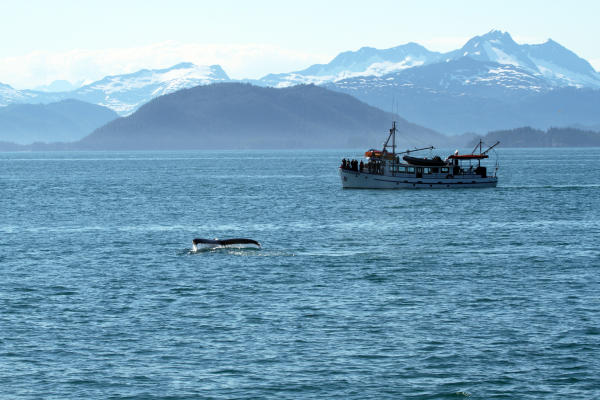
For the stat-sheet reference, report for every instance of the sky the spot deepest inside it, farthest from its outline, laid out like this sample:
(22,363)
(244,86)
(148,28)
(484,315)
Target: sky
(83,41)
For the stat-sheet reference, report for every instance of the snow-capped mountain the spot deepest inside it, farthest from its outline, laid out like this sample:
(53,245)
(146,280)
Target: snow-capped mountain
(125,93)
(366,61)
(490,83)
(560,66)
(460,77)
(550,61)
(467,95)
(488,73)
(10,95)
(494,46)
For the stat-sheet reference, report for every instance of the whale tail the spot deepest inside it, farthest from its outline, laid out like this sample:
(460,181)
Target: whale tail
(235,242)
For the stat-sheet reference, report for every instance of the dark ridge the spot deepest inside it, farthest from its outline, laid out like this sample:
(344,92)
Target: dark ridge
(243,116)
(67,120)
(553,137)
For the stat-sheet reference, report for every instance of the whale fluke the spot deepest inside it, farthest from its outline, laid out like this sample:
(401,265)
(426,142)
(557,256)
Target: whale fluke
(224,242)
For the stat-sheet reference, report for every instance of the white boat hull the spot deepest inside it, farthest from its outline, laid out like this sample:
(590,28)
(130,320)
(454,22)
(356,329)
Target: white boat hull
(362,180)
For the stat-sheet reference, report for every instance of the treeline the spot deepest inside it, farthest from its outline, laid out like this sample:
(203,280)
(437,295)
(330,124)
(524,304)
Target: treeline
(553,137)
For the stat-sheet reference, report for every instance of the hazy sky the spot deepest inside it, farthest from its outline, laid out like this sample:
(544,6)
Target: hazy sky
(85,40)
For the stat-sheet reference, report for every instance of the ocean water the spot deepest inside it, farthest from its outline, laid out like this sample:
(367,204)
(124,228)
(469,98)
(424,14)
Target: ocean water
(356,294)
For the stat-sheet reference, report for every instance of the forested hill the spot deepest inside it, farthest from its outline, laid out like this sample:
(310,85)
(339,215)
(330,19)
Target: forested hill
(243,116)
(553,137)
(65,121)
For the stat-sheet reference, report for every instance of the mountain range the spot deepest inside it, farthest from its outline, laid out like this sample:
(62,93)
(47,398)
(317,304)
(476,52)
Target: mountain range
(124,93)
(490,83)
(244,116)
(552,63)
(467,95)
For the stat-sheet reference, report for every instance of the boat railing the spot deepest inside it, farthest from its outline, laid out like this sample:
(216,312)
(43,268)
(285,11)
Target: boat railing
(395,168)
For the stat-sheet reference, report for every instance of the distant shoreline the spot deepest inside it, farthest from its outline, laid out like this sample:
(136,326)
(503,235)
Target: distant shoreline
(52,149)
(527,137)
(524,137)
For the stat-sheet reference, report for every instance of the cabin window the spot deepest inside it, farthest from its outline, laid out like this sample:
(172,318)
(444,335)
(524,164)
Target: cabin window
(445,170)
(402,169)
(411,170)
(426,170)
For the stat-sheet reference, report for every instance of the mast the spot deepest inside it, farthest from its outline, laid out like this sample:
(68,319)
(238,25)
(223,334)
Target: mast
(476,146)
(392,136)
(473,152)
(394,139)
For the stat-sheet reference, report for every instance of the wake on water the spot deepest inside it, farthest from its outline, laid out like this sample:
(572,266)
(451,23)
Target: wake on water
(204,248)
(237,249)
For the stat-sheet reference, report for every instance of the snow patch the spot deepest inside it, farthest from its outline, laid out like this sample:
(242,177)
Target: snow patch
(497,55)
(564,77)
(376,69)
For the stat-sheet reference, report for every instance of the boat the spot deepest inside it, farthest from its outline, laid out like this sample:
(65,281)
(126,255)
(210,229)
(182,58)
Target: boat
(383,169)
